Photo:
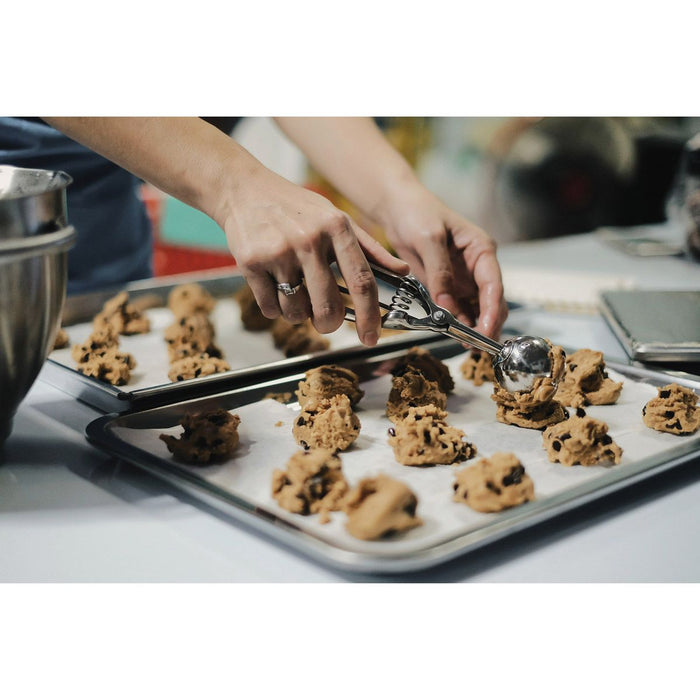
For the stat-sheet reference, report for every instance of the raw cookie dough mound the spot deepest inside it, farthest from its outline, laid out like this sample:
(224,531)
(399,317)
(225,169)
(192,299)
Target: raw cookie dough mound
(536,418)
(188,299)
(312,483)
(410,390)
(674,410)
(585,381)
(327,381)
(108,365)
(580,441)
(380,507)
(327,423)
(478,367)
(195,366)
(494,483)
(125,317)
(61,340)
(102,339)
(431,367)
(191,335)
(537,408)
(297,339)
(251,316)
(423,437)
(206,437)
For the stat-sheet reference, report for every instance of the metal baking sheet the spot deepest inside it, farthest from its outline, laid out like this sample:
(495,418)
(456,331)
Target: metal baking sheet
(251,355)
(655,325)
(241,487)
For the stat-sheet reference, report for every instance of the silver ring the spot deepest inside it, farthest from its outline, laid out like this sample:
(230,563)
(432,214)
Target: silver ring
(287,288)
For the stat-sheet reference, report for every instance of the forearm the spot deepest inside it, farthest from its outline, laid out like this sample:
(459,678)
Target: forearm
(352,153)
(185,157)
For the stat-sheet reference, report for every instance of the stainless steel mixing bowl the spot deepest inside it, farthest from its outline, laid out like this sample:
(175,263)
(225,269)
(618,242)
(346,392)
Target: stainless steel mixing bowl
(33,277)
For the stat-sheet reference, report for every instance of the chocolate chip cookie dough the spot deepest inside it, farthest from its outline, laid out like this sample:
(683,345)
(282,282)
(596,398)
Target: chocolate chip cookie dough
(297,339)
(533,409)
(191,335)
(313,482)
(581,440)
(125,318)
(251,316)
(61,340)
(380,507)
(327,381)
(327,423)
(410,390)
(207,437)
(423,438)
(99,357)
(494,483)
(585,381)
(433,369)
(477,367)
(188,299)
(674,410)
(193,366)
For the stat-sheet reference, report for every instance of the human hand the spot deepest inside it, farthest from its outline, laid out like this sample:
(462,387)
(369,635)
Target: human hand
(453,257)
(280,232)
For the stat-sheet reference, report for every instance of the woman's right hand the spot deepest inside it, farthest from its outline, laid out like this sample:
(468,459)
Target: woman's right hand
(282,233)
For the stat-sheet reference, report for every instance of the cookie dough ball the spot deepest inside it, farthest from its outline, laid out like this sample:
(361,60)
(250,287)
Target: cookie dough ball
(537,408)
(478,367)
(674,410)
(101,339)
(297,339)
(536,418)
(380,507)
(330,424)
(581,440)
(585,381)
(494,483)
(431,367)
(188,299)
(410,390)
(194,366)
(251,316)
(191,335)
(207,437)
(123,316)
(327,381)
(108,365)
(312,483)
(423,437)
(61,340)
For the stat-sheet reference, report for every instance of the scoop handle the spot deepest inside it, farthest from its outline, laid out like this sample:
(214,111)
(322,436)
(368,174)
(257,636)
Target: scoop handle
(464,334)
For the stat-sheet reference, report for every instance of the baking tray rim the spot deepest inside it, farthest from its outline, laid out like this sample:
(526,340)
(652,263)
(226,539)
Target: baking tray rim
(506,523)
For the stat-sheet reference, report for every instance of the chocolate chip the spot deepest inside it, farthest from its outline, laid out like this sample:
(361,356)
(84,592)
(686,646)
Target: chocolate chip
(644,411)
(392,432)
(492,487)
(197,372)
(572,367)
(179,377)
(217,418)
(606,440)
(455,486)
(609,453)
(301,420)
(410,508)
(665,394)
(304,444)
(676,425)
(669,414)
(515,476)
(565,436)
(426,436)
(580,413)
(566,413)
(556,445)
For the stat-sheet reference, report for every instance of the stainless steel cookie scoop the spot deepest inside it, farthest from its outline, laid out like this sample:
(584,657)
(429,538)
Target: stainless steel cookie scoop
(517,362)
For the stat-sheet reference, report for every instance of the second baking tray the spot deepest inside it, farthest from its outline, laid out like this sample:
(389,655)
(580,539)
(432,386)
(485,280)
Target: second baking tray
(251,355)
(241,487)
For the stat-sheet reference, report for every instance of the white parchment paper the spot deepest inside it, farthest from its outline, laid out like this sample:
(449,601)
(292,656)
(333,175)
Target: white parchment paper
(267,443)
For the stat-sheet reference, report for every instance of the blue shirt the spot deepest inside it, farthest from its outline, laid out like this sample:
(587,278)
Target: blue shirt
(114,242)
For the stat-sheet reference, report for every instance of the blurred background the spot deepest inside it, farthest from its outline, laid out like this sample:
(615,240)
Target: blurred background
(518,178)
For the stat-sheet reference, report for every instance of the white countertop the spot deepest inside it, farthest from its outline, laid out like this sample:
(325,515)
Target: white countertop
(69,512)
